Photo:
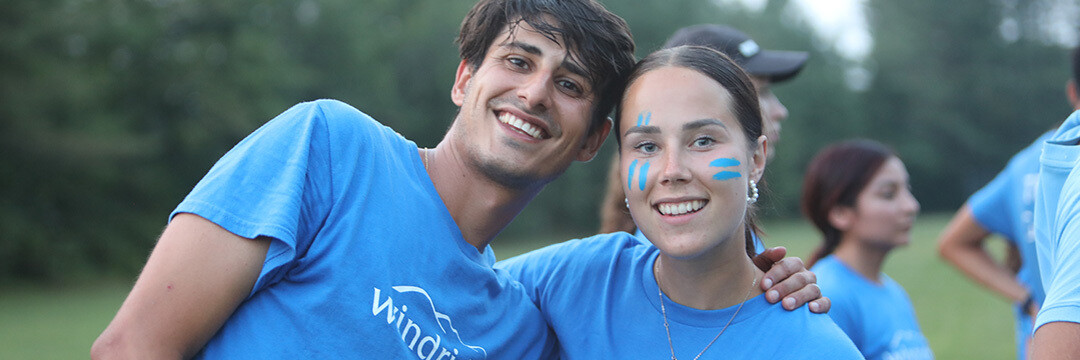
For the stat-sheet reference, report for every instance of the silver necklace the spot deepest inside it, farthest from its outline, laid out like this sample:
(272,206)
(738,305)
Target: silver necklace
(663,310)
(427,158)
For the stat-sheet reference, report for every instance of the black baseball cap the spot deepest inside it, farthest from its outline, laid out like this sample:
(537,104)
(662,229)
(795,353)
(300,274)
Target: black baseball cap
(776,65)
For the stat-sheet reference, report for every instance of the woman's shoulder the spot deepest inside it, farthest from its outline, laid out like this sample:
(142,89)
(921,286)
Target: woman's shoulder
(596,250)
(803,334)
(576,266)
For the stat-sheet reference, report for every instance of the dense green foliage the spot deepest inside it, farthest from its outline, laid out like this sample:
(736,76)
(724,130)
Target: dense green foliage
(111,110)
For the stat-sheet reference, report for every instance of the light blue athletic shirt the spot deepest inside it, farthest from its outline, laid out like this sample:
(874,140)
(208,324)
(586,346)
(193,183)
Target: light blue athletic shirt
(600,296)
(879,318)
(1006,206)
(1057,226)
(365,261)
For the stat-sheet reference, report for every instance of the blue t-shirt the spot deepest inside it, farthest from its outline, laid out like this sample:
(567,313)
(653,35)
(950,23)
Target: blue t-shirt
(365,261)
(1006,206)
(1057,226)
(879,318)
(600,296)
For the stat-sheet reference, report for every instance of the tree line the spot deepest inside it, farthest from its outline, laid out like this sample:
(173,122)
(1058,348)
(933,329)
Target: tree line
(111,110)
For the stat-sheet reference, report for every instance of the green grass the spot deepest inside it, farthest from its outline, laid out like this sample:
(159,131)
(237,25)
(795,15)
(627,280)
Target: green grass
(962,320)
(56,322)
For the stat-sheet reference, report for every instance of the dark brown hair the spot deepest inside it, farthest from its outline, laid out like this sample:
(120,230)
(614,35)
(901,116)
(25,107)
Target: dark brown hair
(835,177)
(599,40)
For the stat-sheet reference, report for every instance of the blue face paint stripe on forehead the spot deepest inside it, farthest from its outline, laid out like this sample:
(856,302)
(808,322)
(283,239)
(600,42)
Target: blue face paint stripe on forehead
(643,118)
(643,177)
(630,176)
(725,162)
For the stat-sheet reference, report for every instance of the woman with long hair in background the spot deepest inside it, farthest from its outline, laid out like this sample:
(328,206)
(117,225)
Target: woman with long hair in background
(857,194)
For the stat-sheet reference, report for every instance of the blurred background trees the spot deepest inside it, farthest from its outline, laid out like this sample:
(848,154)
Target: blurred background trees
(111,110)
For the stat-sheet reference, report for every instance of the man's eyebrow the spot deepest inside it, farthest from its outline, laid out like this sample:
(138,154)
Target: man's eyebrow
(525,47)
(646,129)
(574,67)
(697,124)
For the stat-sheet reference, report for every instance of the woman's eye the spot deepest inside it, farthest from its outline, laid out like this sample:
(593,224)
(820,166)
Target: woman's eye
(704,141)
(646,147)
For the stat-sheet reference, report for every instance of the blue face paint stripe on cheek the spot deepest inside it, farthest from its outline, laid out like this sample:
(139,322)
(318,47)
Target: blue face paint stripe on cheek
(725,162)
(630,177)
(726,175)
(643,176)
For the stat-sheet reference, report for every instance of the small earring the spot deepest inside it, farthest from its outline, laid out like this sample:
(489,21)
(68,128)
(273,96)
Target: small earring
(627,202)
(753,193)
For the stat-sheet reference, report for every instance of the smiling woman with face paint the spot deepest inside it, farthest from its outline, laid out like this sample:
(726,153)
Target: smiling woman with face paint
(856,193)
(689,132)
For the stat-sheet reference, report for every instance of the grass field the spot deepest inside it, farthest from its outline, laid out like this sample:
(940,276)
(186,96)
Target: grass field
(961,319)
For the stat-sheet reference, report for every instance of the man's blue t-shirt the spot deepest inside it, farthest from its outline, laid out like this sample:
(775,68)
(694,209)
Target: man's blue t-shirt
(600,296)
(365,261)
(1006,206)
(879,318)
(1057,226)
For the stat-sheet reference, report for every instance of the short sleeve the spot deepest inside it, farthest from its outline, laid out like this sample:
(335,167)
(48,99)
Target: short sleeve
(1062,301)
(1057,215)
(275,183)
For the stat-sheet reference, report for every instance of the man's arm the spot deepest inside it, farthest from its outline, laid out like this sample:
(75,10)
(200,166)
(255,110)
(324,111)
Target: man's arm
(788,279)
(962,244)
(195,278)
(1056,340)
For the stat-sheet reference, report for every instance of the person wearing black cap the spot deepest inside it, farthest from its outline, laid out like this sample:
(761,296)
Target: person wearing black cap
(765,67)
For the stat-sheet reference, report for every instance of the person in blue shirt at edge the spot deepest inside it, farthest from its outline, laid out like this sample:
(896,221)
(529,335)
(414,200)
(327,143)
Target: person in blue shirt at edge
(690,149)
(856,193)
(1057,239)
(1005,206)
(324,234)
(1057,236)
(765,67)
